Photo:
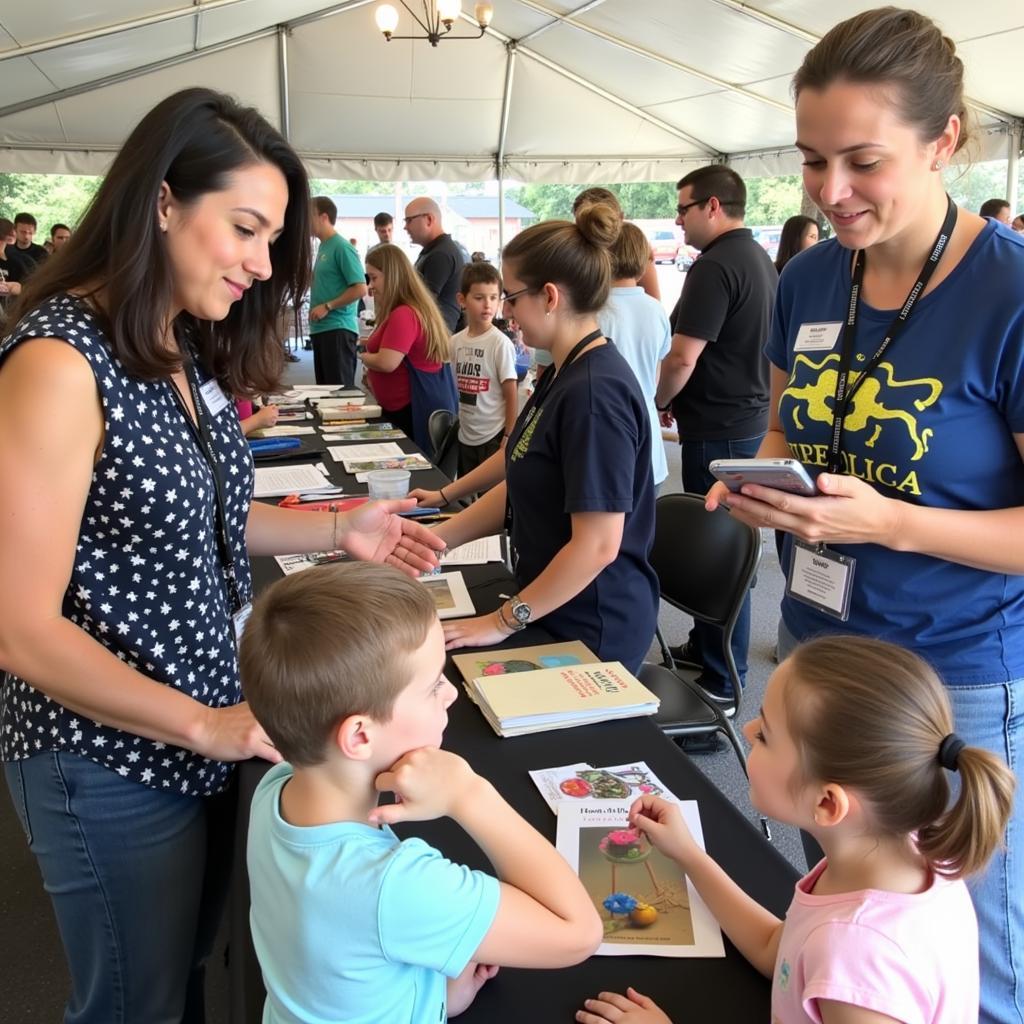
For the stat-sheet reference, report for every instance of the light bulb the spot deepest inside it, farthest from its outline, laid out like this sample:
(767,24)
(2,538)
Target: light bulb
(483,14)
(448,10)
(387,18)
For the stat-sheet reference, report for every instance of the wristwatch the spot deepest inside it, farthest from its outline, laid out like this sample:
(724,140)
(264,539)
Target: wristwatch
(521,611)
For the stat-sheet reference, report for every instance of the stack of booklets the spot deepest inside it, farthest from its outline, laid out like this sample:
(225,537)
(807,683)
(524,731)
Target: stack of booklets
(516,703)
(333,414)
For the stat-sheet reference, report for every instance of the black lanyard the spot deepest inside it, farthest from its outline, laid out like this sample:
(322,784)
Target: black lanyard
(541,392)
(201,432)
(844,394)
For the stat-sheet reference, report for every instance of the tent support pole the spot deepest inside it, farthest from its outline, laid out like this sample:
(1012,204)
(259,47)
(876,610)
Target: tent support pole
(499,160)
(282,81)
(1013,164)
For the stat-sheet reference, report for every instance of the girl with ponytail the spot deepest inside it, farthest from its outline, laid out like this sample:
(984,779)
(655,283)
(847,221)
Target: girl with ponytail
(855,744)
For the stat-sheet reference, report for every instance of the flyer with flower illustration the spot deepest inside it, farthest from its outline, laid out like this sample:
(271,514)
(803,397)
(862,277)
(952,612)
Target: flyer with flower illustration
(583,783)
(645,900)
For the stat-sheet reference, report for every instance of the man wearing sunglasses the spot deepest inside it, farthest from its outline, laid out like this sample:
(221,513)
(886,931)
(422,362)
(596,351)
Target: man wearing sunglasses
(715,377)
(441,260)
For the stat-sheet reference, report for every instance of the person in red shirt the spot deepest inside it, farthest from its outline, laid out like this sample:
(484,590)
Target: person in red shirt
(406,357)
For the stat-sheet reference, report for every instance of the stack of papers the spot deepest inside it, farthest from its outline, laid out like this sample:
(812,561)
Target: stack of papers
(362,452)
(277,481)
(558,698)
(362,432)
(331,414)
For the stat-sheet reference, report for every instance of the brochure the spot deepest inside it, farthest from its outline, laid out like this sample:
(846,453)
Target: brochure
(523,659)
(351,452)
(584,784)
(647,903)
(451,598)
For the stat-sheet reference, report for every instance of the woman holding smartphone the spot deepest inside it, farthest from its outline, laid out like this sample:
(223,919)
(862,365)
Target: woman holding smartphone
(903,393)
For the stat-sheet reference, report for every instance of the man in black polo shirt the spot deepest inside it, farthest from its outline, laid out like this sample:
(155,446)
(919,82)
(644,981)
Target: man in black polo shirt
(441,260)
(26,250)
(716,375)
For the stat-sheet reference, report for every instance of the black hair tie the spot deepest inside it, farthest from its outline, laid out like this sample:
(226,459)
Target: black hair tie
(949,752)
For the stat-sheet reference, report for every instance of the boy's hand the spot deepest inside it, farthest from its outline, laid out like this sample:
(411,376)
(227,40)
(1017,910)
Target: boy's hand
(633,1008)
(463,989)
(662,822)
(429,783)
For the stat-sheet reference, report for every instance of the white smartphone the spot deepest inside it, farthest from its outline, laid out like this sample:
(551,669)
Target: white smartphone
(782,474)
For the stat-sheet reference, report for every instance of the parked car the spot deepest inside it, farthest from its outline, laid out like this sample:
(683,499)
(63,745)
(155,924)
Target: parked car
(686,257)
(665,246)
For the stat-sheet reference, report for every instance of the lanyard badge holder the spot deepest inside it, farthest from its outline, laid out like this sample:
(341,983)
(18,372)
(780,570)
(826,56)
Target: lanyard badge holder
(818,576)
(529,412)
(210,396)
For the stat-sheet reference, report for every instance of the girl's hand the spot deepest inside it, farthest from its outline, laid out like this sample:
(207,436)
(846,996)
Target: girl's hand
(233,734)
(427,499)
(375,533)
(610,1007)
(847,511)
(662,822)
(267,416)
(481,631)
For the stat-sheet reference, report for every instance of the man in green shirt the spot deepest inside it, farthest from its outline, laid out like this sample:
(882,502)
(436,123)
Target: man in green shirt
(339,282)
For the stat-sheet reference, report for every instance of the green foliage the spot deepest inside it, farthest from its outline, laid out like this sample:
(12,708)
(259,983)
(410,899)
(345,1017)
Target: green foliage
(640,200)
(773,200)
(50,198)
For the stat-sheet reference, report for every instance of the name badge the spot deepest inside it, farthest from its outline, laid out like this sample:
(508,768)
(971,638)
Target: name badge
(240,618)
(213,397)
(818,337)
(821,578)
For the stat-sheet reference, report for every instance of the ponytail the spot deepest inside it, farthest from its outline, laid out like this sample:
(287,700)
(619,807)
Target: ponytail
(874,717)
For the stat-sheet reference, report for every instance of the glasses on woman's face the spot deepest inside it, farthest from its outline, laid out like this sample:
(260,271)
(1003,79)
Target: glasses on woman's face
(510,297)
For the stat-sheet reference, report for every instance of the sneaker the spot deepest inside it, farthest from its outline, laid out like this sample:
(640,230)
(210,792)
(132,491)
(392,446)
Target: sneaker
(720,694)
(686,655)
(291,357)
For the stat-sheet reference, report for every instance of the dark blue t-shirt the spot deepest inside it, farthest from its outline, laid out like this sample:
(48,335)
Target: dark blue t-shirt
(933,425)
(587,448)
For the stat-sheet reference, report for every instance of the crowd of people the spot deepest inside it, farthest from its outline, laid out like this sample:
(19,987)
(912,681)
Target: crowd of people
(141,667)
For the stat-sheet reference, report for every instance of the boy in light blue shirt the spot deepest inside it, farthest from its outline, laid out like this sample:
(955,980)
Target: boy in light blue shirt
(343,667)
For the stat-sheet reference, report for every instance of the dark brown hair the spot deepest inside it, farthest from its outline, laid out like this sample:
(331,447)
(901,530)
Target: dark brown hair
(899,49)
(792,238)
(381,220)
(719,182)
(322,204)
(631,252)
(871,716)
(6,227)
(993,207)
(194,140)
(327,643)
(573,255)
(478,272)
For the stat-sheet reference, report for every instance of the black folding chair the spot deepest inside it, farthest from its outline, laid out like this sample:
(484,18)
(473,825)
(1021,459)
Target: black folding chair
(443,428)
(705,563)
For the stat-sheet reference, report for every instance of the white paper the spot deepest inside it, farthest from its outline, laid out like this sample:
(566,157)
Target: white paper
(451,598)
(283,430)
(276,481)
(580,784)
(291,564)
(476,552)
(684,926)
(361,452)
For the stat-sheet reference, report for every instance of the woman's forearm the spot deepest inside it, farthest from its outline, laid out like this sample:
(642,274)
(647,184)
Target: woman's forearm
(488,474)
(272,530)
(483,518)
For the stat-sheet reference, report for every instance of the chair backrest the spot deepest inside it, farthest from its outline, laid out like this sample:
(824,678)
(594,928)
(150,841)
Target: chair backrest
(705,561)
(443,428)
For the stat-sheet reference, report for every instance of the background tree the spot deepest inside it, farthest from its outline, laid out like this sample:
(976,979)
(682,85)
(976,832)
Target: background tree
(50,198)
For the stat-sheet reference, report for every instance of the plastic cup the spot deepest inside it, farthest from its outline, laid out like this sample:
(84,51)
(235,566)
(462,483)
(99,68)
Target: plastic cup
(388,483)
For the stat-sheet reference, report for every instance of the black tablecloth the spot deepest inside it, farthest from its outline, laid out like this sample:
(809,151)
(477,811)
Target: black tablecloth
(698,990)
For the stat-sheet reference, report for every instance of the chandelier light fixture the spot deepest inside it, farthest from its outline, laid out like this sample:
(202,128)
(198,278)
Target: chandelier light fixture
(436,22)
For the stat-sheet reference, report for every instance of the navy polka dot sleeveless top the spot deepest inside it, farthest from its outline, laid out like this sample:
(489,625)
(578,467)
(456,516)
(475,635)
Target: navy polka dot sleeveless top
(147,581)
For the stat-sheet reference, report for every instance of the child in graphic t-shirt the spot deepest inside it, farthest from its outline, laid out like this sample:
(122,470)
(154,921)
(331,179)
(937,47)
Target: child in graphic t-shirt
(853,744)
(485,369)
(343,666)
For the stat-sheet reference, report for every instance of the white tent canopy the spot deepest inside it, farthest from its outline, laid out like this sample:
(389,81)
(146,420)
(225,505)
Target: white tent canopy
(609,90)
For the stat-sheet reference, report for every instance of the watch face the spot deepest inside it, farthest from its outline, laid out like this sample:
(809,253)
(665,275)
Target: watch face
(521,611)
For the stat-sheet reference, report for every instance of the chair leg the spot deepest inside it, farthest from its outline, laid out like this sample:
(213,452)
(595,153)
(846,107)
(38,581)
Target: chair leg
(730,733)
(666,654)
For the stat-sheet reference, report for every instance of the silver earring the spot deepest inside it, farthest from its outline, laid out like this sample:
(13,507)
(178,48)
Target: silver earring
(937,166)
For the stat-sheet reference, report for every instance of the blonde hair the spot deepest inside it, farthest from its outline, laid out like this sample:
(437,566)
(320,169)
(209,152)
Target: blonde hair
(403,286)
(871,715)
(327,643)
(573,255)
(631,252)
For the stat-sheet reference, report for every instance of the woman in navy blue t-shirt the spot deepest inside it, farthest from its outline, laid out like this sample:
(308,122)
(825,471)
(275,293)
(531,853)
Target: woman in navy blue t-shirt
(577,471)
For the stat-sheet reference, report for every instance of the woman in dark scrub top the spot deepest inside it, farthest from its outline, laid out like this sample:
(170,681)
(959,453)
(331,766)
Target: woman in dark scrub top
(577,495)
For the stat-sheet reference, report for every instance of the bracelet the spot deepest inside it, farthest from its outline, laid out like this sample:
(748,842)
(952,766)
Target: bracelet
(440,491)
(503,626)
(500,611)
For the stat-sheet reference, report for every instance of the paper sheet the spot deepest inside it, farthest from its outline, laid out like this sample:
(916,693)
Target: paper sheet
(647,903)
(583,784)
(284,430)
(476,552)
(277,481)
(381,450)
(291,564)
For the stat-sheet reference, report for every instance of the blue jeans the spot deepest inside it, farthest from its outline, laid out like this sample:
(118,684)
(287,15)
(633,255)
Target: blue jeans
(137,878)
(991,715)
(706,639)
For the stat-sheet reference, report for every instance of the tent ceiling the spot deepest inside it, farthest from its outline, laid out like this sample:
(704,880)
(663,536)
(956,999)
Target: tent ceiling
(594,91)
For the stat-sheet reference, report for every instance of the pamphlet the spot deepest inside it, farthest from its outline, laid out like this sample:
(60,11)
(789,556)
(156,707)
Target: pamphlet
(523,659)
(451,597)
(647,903)
(584,784)
(476,552)
(283,430)
(363,432)
(362,467)
(350,452)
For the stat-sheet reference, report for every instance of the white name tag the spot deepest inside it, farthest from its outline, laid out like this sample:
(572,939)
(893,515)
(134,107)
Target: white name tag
(821,578)
(240,618)
(817,337)
(213,397)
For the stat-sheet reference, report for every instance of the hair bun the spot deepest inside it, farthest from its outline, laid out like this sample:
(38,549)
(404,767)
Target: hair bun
(599,223)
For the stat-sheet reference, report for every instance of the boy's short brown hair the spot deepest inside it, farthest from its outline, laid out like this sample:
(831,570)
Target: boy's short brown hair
(631,252)
(479,272)
(327,643)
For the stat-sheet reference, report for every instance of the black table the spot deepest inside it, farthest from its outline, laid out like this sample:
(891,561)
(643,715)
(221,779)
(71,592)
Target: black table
(689,990)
